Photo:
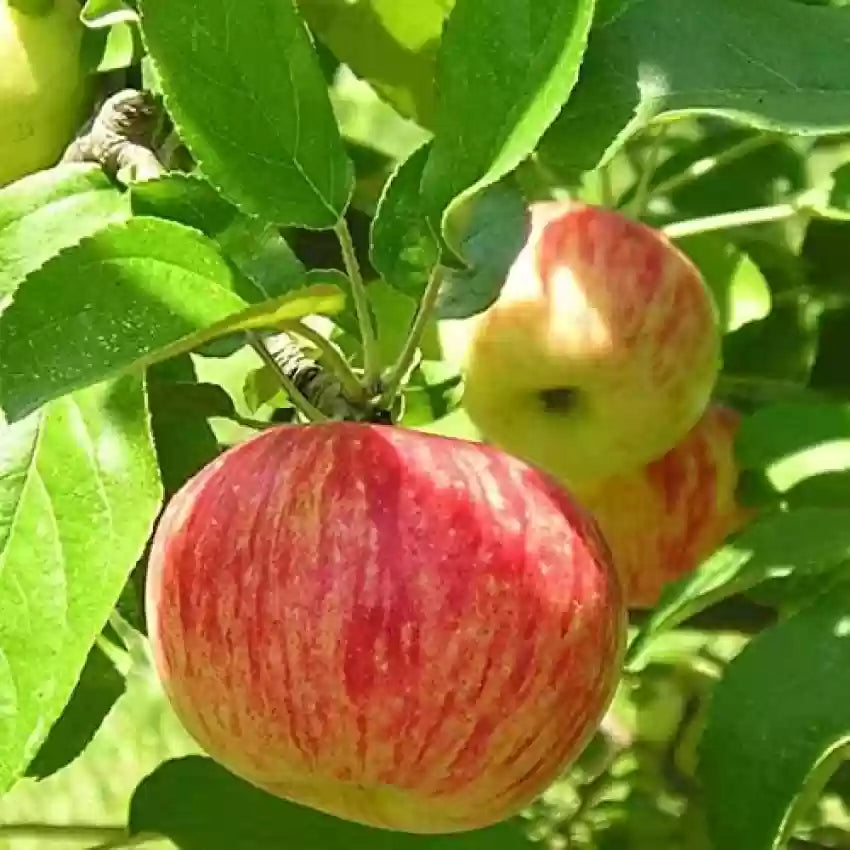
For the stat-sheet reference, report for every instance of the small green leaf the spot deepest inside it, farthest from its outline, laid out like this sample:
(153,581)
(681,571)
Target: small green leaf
(404,247)
(778,726)
(680,56)
(47,211)
(79,491)
(736,282)
(97,690)
(177,798)
(127,297)
(776,545)
(251,106)
(793,442)
(504,70)
(496,230)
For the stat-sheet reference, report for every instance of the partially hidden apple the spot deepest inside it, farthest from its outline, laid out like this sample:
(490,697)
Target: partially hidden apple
(44,90)
(661,521)
(600,352)
(400,629)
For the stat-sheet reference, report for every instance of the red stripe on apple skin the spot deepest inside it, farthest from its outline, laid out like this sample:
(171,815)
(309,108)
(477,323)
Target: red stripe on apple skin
(406,630)
(664,519)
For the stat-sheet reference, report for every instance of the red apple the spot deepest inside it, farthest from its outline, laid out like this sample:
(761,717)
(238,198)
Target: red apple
(401,629)
(664,519)
(600,352)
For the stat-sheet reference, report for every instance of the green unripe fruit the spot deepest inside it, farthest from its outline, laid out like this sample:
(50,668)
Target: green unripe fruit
(44,91)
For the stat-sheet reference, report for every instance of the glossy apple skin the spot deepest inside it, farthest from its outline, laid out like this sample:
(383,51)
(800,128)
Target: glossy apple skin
(663,520)
(400,629)
(608,310)
(44,91)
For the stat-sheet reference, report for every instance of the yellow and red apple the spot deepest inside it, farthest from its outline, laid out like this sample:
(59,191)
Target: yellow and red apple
(662,520)
(410,631)
(599,354)
(44,90)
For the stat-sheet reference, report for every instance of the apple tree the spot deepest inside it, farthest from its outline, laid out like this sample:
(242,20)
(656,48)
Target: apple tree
(425,425)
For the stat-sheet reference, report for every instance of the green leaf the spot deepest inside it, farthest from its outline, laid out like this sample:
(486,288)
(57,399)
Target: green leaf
(127,297)
(79,491)
(107,13)
(824,252)
(504,71)
(782,346)
(180,406)
(793,442)
(778,726)
(390,45)
(829,371)
(740,291)
(255,247)
(47,211)
(404,248)
(177,798)
(496,230)
(97,690)
(776,545)
(680,56)
(252,106)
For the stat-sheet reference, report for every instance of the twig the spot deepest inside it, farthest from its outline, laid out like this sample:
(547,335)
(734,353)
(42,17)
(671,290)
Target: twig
(120,138)
(739,218)
(710,163)
(641,196)
(361,304)
(283,363)
(332,358)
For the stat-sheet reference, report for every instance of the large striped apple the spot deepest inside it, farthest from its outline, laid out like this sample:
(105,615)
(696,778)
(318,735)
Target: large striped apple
(405,630)
(661,521)
(44,89)
(600,352)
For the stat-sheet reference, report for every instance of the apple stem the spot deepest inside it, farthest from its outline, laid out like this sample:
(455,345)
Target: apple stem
(279,363)
(371,366)
(398,372)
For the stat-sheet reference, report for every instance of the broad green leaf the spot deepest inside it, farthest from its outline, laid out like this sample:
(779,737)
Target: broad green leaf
(404,248)
(79,491)
(740,291)
(680,56)
(497,228)
(391,45)
(177,798)
(793,442)
(97,690)
(776,545)
(47,211)
(127,297)
(184,440)
(778,726)
(504,70)
(255,247)
(252,106)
